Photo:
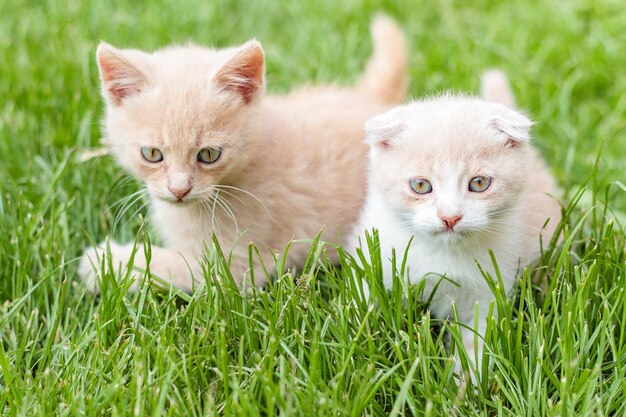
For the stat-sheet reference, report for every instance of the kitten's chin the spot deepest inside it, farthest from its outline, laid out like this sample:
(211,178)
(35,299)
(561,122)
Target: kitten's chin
(451,237)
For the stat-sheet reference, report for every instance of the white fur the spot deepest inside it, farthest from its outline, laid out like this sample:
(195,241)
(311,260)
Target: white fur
(448,141)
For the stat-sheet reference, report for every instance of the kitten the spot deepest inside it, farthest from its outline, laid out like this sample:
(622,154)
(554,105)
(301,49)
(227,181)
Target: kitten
(457,177)
(218,157)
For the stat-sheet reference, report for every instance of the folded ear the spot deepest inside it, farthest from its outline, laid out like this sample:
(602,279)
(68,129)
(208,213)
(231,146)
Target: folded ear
(381,130)
(244,73)
(120,76)
(512,127)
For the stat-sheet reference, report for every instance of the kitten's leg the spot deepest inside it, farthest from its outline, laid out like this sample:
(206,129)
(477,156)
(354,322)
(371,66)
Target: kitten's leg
(171,266)
(471,328)
(242,274)
(473,332)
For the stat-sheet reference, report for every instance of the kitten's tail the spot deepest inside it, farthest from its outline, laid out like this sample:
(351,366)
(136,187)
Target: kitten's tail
(385,75)
(495,87)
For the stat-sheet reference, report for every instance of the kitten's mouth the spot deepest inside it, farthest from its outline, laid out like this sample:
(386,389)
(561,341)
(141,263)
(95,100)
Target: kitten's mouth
(178,201)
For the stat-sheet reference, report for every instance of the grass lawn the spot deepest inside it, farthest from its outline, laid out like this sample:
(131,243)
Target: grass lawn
(302,346)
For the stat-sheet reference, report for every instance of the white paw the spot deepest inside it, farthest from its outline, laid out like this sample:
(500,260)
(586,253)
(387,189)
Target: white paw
(475,362)
(90,266)
(362,289)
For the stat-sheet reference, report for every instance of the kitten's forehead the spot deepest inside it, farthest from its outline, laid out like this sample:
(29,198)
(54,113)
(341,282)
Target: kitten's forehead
(451,117)
(181,108)
(446,138)
(452,128)
(187,65)
(181,79)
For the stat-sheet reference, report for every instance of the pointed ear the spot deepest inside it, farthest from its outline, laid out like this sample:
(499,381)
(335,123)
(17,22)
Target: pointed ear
(381,130)
(119,75)
(512,127)
(244,73)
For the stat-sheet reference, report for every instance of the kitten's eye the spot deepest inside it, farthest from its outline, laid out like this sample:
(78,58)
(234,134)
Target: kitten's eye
(479,184)
(209,155)
(152,155)
(420,186)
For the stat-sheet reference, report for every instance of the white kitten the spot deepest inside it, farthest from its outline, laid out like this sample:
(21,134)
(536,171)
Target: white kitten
(457,177)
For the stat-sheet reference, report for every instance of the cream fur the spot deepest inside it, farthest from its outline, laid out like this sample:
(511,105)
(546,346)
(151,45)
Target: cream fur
(448,140)
(290,165)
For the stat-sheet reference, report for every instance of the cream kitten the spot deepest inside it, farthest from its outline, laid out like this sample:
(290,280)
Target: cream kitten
(457,177)
(218,157)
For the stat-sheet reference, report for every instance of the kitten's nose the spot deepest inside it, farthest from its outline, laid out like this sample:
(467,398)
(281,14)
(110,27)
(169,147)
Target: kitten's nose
(180,193)
(451,221)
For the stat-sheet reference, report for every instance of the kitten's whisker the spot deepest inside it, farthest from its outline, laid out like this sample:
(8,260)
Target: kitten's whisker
(228,193)
(502,233)
(231,207)
(136,212)
(125,199)
(210,211)
(220,201)
(126,179)
(214,224)
(218,186)
(517,210)
(517,224)
(128,202)
(218,224)
(121,183)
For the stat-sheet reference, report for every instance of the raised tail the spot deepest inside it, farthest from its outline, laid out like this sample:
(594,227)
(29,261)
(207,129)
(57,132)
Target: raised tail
(495,87)
(385,75)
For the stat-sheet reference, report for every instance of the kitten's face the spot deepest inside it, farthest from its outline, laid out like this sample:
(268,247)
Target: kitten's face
(177,118)
(451,167)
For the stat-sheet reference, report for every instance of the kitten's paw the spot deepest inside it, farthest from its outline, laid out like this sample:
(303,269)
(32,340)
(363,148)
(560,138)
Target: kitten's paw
(475,361)
(362,290)
(90,266)
(90,262)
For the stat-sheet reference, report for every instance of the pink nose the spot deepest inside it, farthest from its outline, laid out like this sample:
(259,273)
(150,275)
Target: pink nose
(180,193)
(451,221)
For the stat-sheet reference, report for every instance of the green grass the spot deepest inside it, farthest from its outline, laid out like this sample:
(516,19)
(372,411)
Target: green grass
(302,346)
